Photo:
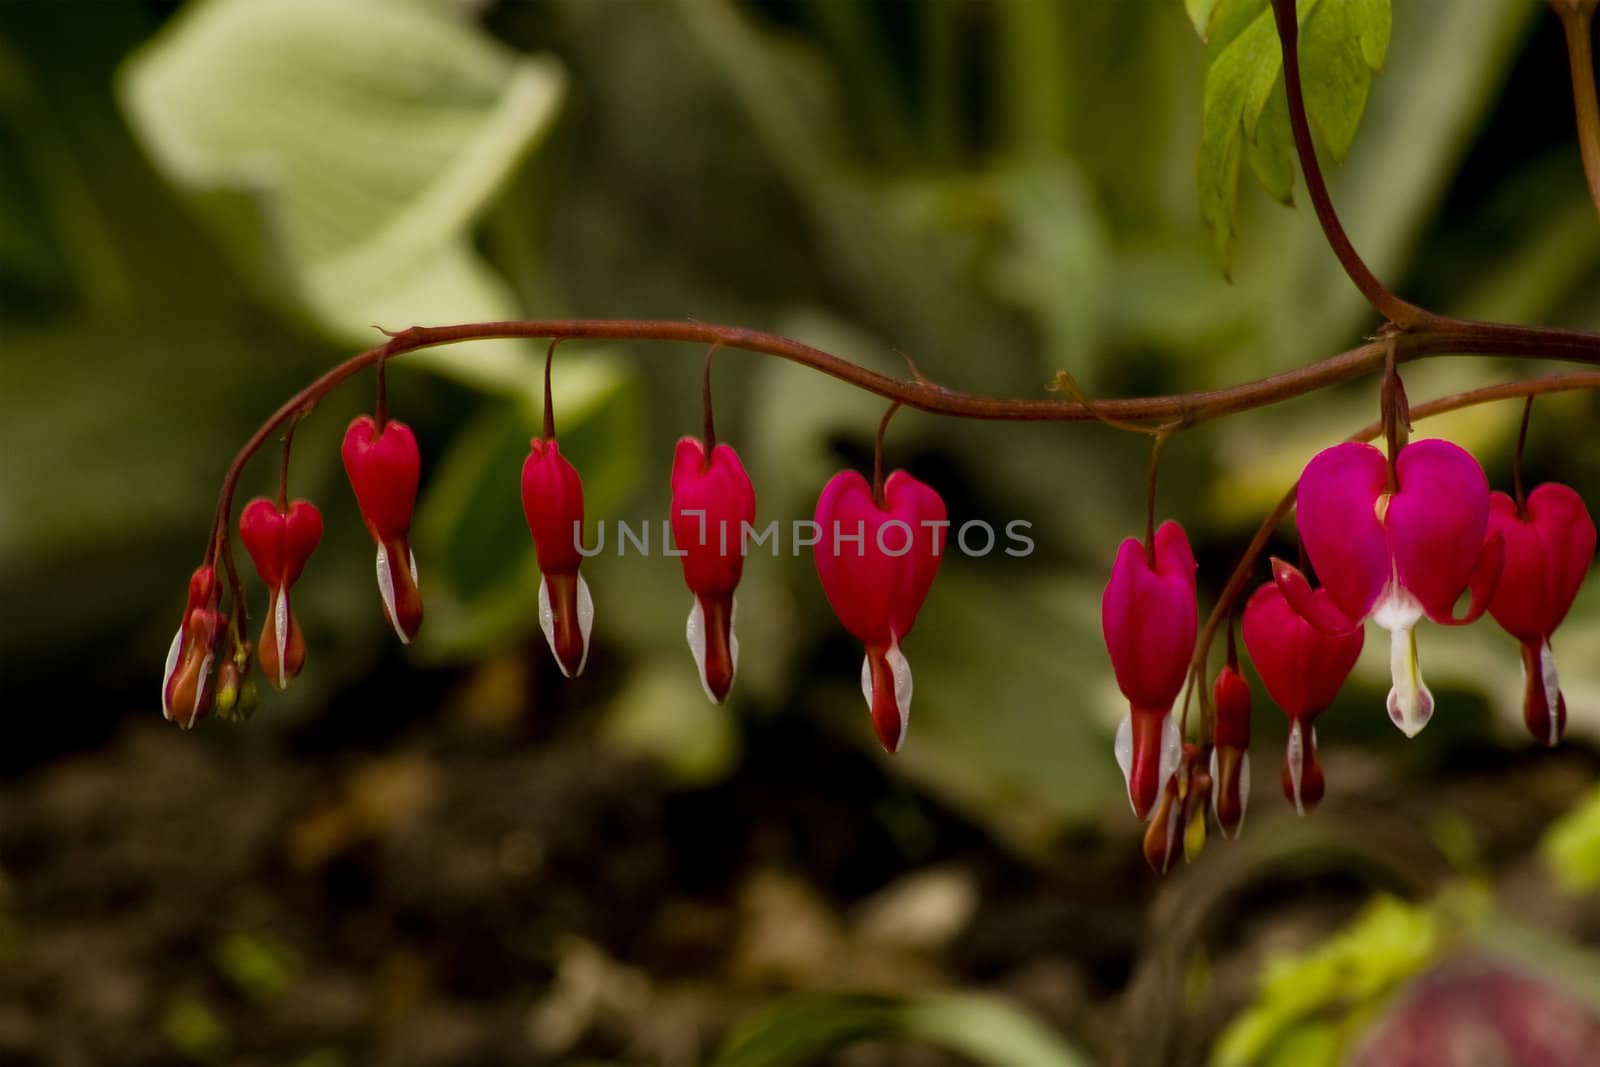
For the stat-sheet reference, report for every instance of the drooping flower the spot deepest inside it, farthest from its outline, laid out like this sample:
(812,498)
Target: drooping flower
(877,562)
(1178,823)
(552,500)
(279,543)
(1393,553)
(1303,669)
(384,469)
(187,684)
(1149,616)
(1548,548)
(712,502)
(1230,754)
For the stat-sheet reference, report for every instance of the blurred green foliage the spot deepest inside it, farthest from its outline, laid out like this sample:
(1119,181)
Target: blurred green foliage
(985,1030)
(205,208)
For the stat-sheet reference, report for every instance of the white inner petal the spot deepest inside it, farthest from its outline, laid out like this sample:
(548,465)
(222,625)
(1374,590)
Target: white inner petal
(1123,747)
(866,680)
(166,675)
(386,590)
(280,624)
(1171,750)
(1552,690)
(1410,703)
(902,688)
(696,633)
(547,623)
(733,638)
(1294,757)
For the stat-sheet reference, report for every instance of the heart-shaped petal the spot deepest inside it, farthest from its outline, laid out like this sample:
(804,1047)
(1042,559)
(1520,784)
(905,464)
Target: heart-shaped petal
(1149,618)
(1336,513)
(1436,522)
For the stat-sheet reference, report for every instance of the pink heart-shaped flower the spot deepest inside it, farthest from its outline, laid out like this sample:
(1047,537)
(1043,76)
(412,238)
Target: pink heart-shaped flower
(876,564)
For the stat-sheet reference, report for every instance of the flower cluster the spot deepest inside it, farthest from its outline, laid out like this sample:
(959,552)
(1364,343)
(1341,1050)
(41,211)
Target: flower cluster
(1393,539)
(880,549)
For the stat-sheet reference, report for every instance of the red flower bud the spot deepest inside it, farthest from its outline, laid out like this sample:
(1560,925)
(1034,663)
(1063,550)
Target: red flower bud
(552,500)
(1230,758)
(188,682)
(279,543)
(384,469)
(876,564)
(1149,617)
(712,501)
(1303,669)
(1549,547)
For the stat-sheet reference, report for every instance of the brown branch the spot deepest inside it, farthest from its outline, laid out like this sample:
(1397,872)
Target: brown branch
(1577,17)
(1180,410)
(1391,307)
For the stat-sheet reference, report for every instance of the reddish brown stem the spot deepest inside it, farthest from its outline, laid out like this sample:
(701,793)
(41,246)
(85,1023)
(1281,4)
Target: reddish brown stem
(1391,307)
(877,454)
(1174,412)
(1516,461)
(549,394)
(705,400)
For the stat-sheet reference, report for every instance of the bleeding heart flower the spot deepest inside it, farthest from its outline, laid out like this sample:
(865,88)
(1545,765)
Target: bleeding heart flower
(712,502)
(552,500)
(384,469)
(1548,548)
(1180,818)
(877,562)
(1303,669)
(1393,553)
(1230,755)
(187,684)
(1149,617)
(280,542)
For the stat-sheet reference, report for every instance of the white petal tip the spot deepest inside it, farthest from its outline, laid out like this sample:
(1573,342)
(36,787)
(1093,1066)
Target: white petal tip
(1123,748)
(166,674)
(386,590)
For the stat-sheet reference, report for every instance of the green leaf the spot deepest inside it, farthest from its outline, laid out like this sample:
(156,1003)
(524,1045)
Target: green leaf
(1244,113)
(1310,1006)
(1271,149)
(343,151)
(1237,88)
(1340,47)
(1571,847)
(803,1029)
(1200,14)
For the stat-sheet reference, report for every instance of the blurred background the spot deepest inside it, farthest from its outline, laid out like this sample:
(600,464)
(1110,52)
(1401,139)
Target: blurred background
(448,854)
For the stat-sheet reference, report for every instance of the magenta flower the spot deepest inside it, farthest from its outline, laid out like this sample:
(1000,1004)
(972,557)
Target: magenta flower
(1230,753)
(1303,669)
(384,468)
(712,502)
(1393,553)
(1149,617)
(552,502)
(279,543)
(877,561)
(1549,545)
